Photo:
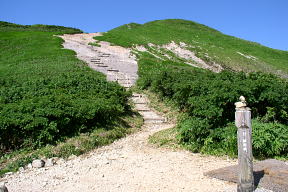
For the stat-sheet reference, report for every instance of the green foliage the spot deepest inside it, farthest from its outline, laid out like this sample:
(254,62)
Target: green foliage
(208,99)
(229,52)
(46,94)
(96,44)
(73,146)
(270,139)
(193,132)
(8,27)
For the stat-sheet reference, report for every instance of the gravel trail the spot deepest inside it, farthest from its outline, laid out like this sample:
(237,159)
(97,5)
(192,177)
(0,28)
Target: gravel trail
(131,163)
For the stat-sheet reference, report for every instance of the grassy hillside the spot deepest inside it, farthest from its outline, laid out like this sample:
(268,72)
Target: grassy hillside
(47,96)
(205,99)
(8,27)
(208,44)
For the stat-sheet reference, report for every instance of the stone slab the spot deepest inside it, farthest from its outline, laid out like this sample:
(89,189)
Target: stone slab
(269,174)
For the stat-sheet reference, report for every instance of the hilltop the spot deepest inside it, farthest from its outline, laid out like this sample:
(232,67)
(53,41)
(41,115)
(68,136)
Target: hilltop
(209,45)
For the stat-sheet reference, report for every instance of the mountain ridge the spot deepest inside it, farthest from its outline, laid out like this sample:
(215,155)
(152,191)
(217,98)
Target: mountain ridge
(208,44)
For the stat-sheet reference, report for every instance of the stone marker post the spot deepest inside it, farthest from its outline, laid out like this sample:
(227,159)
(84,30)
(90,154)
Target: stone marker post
(245,158)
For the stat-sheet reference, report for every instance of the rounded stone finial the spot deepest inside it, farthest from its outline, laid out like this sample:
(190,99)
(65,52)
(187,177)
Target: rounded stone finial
(242,103)
(242,99)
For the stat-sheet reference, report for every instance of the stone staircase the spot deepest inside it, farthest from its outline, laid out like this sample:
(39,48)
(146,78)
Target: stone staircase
(117,63)
(100,63)
(141,105)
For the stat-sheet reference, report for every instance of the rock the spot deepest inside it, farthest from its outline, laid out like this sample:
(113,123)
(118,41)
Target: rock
(38,163)
(44,183)
(49,162)
(29,166)
(9,173)
(3,188)
(21,169)
(60,161)
(72,157)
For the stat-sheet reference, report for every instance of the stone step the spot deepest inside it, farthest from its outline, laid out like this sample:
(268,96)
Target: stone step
(99,63)
(154,120)
(124,84)
(123,81)
(96,61)
(102,65)
(114,70)
(143,102)
(137,95)
(104,55)
(142,107)
(127,86)
(139,100)
(151,115)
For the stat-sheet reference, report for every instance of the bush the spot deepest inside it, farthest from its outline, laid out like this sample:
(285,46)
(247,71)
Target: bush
(46,94)
(193,131)
(268,140)
(208,99)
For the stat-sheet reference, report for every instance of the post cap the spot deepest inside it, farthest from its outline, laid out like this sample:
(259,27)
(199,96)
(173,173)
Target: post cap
(242,103)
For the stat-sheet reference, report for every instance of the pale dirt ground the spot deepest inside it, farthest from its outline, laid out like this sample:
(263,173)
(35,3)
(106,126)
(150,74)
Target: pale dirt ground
(129,164)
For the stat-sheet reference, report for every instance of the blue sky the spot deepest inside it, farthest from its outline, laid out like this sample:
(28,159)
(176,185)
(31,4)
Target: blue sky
(262,21)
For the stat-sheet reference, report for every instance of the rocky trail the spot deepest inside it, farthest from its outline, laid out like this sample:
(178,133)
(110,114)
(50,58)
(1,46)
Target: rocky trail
(131,163)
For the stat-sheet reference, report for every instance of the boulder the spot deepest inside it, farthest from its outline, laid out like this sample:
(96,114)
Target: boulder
(38,163)
(21,169)
(29,166)
(49,162)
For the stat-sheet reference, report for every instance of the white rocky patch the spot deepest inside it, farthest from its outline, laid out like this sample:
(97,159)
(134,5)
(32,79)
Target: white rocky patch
(247,56)
(181,51)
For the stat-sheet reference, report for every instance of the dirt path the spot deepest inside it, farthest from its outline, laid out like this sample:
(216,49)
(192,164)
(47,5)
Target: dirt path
(129,164)
(116,62)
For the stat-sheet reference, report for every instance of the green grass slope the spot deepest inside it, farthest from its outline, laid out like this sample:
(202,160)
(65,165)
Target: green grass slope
(208,44)
(53,102)
(46,94)
(204,99)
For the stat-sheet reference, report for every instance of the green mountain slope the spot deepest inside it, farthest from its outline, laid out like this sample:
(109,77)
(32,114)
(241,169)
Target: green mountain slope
(8,27)
(208,44)
(204,99)
(47,94)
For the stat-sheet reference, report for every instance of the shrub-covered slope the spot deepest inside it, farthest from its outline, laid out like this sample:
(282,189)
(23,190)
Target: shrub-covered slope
(208,44)
(206,99)
(46,94)
(6,26)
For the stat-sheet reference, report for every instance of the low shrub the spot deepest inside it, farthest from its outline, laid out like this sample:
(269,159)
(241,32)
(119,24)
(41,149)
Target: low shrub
(46,94)
(208,99)
(268,140)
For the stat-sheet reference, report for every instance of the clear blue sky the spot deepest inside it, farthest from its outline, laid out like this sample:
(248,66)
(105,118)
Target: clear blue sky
(262,21)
